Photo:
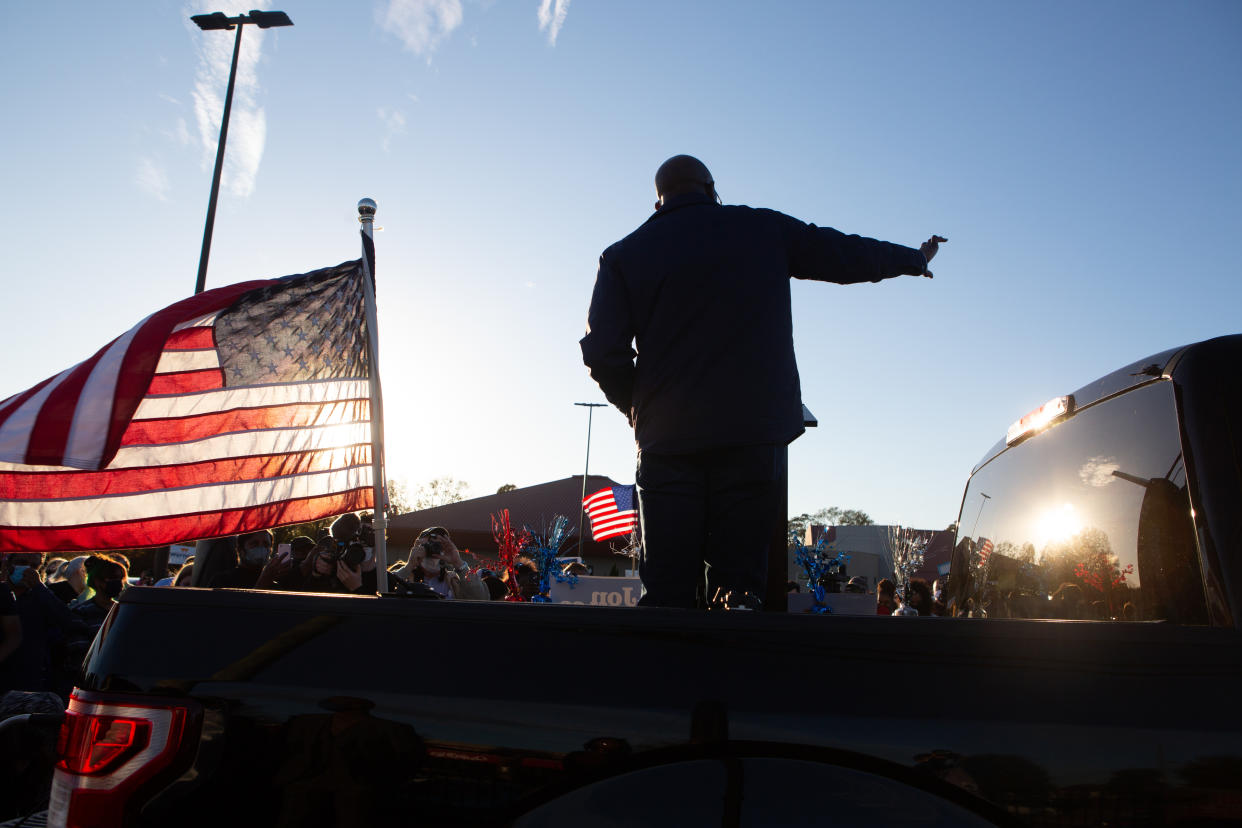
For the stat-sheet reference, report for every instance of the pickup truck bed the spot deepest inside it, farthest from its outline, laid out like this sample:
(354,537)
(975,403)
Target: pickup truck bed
(465,713)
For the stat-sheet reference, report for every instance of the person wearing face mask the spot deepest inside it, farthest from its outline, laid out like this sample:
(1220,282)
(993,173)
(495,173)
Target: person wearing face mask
(44,621)
(253,551)
(105,581)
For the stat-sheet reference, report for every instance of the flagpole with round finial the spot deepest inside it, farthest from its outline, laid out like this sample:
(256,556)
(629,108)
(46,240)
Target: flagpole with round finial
(366,215)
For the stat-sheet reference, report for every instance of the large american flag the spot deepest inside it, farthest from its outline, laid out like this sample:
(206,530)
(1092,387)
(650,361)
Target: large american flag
(241,408)
(611,511)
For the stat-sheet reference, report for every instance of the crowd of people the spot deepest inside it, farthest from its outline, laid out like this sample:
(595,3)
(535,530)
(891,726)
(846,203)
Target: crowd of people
(921,597)
(50,610)
(341,561)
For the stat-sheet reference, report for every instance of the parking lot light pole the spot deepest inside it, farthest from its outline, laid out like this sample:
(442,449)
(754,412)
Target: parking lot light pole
(214,22)
(984,498)
(590,407)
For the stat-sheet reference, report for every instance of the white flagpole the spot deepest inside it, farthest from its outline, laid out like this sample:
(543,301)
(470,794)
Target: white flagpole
(366,215)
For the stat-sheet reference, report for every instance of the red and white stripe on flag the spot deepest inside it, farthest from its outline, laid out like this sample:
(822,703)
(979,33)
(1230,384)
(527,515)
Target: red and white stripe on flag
(985,550)
(611,511)
(151,441)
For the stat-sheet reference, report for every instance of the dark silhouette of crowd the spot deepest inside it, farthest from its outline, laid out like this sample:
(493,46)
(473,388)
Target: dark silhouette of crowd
(49,614)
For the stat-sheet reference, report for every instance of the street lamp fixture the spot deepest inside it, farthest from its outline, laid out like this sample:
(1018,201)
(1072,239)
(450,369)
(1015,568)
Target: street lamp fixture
(269,20)
(219,21)
(211,22)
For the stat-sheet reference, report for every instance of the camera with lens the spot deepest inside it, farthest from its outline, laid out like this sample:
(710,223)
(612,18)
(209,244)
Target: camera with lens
(353,554)
(432,542)
(346,542)
(432,547)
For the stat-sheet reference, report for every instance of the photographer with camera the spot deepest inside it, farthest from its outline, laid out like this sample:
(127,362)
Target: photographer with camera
(340,562)
(436,562)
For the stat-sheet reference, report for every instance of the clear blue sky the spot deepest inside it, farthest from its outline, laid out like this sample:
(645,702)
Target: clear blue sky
(1083,160)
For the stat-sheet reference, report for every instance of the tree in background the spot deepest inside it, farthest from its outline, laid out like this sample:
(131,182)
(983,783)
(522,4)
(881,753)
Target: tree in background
(508,487)
(439,492)
(851,517)
(831,516)
(398,497)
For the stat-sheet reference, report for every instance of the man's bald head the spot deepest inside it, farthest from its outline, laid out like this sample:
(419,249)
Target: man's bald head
(683,174)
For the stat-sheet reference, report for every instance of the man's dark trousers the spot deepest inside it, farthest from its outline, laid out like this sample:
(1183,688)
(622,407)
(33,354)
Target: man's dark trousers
(713,508)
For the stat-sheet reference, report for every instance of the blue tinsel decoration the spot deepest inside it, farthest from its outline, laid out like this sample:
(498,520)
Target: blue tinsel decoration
(818,563)
(545,549)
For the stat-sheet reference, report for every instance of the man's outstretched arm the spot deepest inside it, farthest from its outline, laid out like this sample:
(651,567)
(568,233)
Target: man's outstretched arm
(607,347)
(831,256)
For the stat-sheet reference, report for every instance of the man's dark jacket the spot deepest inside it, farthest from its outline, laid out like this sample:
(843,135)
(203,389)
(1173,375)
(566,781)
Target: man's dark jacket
(703,291)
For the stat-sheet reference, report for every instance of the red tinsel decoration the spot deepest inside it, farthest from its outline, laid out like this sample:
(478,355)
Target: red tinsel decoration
(509,544)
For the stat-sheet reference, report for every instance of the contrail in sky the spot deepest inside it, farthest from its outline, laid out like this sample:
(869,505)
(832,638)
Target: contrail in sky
(552,17)
(247,122)
(421,24)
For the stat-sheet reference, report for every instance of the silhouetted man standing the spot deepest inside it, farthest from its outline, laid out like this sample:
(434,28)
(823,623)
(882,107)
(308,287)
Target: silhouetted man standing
(712,390)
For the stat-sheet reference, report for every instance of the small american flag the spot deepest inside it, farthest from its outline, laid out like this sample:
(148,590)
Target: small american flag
(240,408)
(611,511)
(985,550)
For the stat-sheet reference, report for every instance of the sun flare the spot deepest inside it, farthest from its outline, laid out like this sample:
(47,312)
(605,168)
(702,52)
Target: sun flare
(1057,525)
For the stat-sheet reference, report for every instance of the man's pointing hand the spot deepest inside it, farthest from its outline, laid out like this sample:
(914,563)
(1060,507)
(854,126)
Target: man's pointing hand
(928,249)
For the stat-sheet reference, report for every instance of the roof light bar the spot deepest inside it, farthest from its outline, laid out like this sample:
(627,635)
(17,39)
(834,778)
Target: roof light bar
(1040,418)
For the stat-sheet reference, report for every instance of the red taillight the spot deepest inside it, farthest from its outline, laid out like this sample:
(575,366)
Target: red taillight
(96,744)
(113,752)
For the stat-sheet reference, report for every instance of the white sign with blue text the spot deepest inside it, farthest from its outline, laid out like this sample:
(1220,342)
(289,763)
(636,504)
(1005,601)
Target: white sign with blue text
(597,591)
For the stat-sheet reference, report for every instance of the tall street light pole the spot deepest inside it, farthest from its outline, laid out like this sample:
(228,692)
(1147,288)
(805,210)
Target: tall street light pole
(219,21)
(590,407)
(213,22)
(984,498)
